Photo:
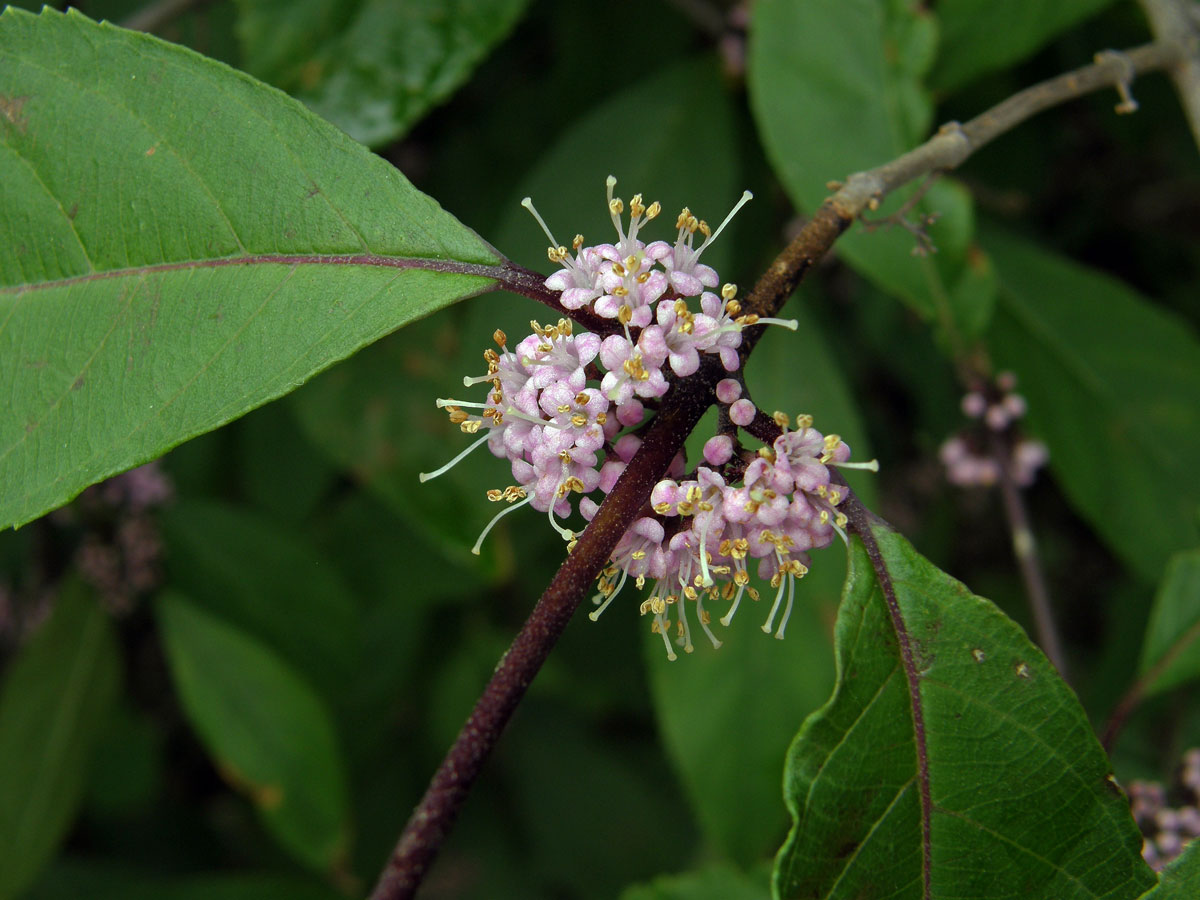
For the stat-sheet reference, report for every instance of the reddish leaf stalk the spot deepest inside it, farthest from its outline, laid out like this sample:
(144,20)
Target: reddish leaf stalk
(860,524)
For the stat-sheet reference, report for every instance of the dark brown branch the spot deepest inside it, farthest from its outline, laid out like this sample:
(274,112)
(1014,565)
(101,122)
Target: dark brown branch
(431,820)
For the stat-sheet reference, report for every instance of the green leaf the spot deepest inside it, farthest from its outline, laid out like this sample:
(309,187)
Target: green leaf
(53,703)
(268,732)
(836,87)
(1112,383)
(1171,649)
(181,244)
(951,760)
(1181,879)
(713,883)
(372,67)
(982,35)
(268,581)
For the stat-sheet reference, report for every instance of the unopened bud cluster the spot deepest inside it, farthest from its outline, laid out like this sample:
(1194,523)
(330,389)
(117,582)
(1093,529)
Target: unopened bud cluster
(1166,829)
(567,410)
(996,409)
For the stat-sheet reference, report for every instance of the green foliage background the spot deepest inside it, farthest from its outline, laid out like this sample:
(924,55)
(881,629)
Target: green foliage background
(306,565)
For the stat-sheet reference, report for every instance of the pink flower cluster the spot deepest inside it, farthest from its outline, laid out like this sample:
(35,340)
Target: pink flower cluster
(997,409)
(563,435)
(704,532)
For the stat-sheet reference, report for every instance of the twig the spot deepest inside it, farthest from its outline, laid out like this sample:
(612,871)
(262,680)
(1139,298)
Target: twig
(680,410)
(155,15)
(1025,550)
(1179,20)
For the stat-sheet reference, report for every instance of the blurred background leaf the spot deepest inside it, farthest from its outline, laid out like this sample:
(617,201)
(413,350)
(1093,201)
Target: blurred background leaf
(53,702)
(269,733)
(371,67)
(1172,644)
(978,35)
(1112,384)
(836,88)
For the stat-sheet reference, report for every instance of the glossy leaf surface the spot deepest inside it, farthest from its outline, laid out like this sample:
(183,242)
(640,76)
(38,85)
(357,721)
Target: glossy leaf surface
(166,267)
(951,759)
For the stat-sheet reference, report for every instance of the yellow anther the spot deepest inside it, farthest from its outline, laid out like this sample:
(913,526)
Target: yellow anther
(601,418)
(804,420)
(470,426)
(578,242)
(495,495)
(579,420)
(620,291)
(728,291)
(499,337)
(690,593)
(733,308)
(616,206)
(704,229)
(625,314)
(781,419)
(564,407)
(653,210)
(662,508)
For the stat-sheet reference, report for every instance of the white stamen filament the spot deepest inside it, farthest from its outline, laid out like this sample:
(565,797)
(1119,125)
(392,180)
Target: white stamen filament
(737,598)
(495,519)
(775,606)
(705,577)
(708,631)
(664,628)
(565,533)
(596,613)
(746,197)
(687,631)
(787,610)
(872,466)
(426,476)
(790,324)
(528,204)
